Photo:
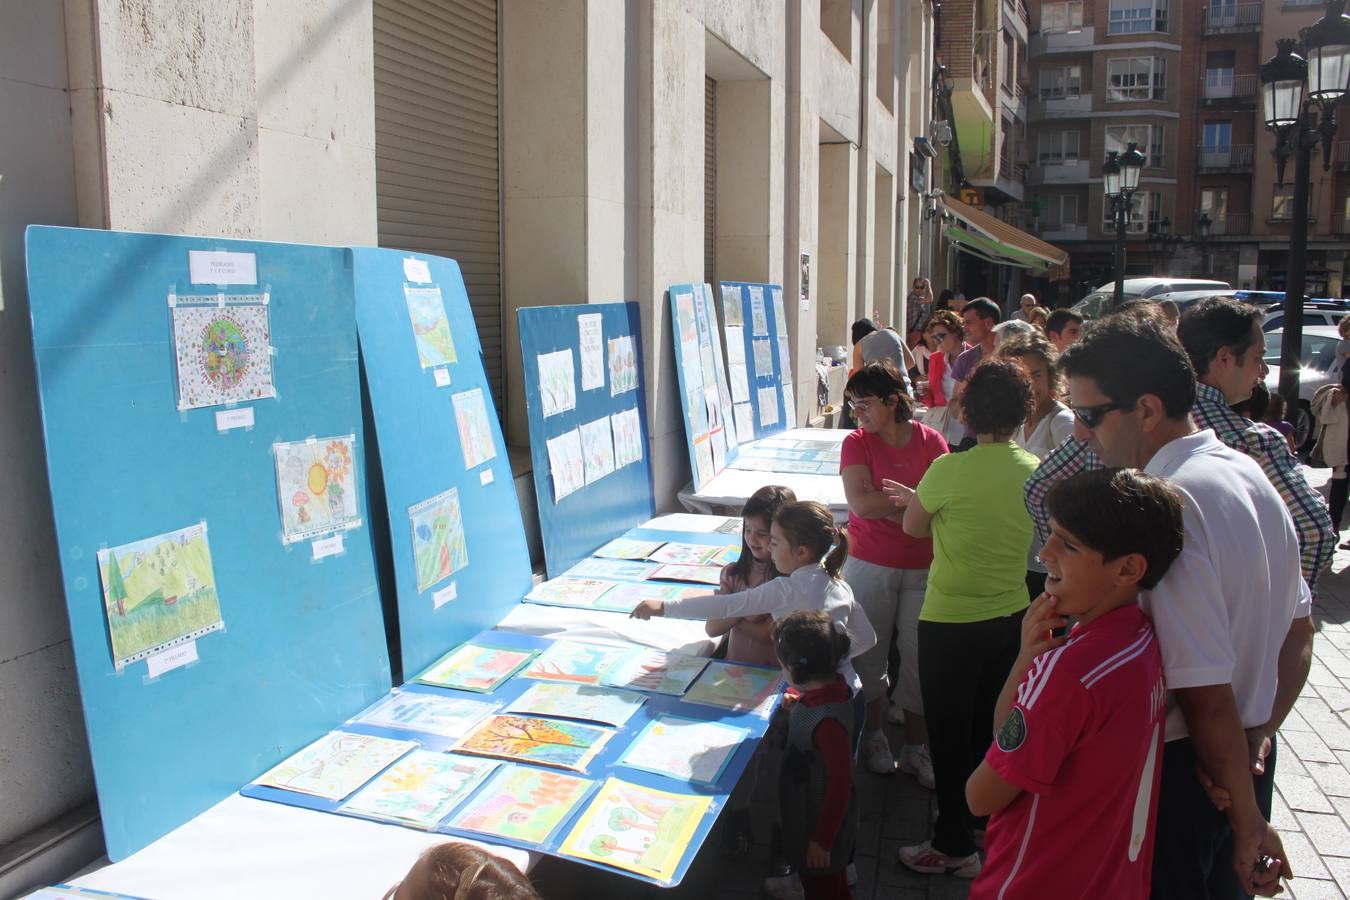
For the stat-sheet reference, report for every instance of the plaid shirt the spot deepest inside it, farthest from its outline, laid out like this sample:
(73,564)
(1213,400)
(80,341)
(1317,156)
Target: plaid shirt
(1316,535)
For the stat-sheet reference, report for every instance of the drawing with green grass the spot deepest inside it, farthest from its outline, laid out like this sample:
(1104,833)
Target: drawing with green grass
(439,548)
(158,591)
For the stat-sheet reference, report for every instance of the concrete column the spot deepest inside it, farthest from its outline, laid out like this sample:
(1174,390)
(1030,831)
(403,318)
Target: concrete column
(883,253)
(836,269)
(743,222)
(801,217)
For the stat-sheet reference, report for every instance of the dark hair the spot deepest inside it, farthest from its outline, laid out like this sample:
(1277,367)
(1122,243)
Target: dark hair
(1276,409)
(1117,512)
(1037,346)
(806,523)
(862,328)
(984,308)
(458,871)
(1130,355)
(943,297)
(997,398)
(881,379)
(1057,321)
(763,503)
(809,645)
(1258,404)
(1215,323)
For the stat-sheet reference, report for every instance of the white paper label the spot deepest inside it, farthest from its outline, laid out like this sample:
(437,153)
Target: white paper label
(416,270)
(222,267)
(172,658)
(445,595)
(234,418)
(485,476)
(329,546)
(442,377)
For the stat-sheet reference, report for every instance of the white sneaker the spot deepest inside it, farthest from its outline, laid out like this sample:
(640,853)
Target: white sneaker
(915,760)
(784,887)
(877,751)
(895,715)
(923,858)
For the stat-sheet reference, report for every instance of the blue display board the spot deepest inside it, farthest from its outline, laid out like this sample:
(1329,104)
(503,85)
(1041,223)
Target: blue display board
(303,644)
(759,367)
(710,424)
(603,765)
(612,406)
(460,557)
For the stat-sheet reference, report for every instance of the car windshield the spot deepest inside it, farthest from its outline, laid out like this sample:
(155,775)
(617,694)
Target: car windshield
(1319,351)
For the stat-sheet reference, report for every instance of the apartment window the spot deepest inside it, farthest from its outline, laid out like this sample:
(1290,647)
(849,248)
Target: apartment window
(1135,16)
(1053,147)
(1134,78)
(1145,212)
(1061,82)
(1218,135)
(1148,138)
(1282,204)
(1214,203)
(1007,62)
(1061,211)
(1062,18)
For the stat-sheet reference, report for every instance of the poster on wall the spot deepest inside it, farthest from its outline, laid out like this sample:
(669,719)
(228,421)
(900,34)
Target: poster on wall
(223,353)
(316,485)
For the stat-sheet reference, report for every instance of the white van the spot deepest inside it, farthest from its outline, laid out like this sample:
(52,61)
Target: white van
(1098,303)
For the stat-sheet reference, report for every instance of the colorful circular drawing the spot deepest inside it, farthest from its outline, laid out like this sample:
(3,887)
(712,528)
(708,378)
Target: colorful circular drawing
(224,353)
(318,479)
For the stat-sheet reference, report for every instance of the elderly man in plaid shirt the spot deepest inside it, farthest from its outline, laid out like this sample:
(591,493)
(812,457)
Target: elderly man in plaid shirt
(1225,344)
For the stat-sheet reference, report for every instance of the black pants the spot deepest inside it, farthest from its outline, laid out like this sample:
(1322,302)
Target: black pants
(1340,490)
(1035,583)
(1193,851)
(962,668)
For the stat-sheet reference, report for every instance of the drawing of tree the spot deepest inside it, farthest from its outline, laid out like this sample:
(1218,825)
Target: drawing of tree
(117,591)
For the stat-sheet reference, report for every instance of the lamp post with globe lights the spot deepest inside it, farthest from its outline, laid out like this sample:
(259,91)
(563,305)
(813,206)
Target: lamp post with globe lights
(1120,179)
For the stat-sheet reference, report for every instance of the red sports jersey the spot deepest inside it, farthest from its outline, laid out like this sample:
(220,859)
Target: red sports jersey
(1083,742)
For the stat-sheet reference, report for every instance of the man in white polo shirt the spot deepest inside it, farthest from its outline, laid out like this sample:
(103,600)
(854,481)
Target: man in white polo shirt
(1232,614)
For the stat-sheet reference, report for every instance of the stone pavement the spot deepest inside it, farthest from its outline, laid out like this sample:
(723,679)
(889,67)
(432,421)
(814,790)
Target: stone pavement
(1311,806)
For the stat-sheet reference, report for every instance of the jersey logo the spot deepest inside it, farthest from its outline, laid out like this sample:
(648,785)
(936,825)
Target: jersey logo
(1013,732)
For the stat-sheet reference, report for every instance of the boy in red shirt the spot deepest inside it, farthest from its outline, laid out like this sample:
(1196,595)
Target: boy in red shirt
(1071,781)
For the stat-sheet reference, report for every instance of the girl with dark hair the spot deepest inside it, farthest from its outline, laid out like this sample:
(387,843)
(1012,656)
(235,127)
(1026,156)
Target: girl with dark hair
(456,871)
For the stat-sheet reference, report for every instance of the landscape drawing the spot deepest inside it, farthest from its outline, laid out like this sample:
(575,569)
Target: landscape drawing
(637,828)
(740,688)
(522,804)
(316,485)
(420,789)
(475,429)
(687,749)
(622,365)
(431,329)
(624,595)
(612,568)
(644,669)
(687,554)
(544,742)
(628,548)
(575,662)
(158,591)
(476,667)
(731,305)
(223,353)
(597,446)
(565,591)
(449,717)
(701,574)
(438,542)
(335,765)
(583,702)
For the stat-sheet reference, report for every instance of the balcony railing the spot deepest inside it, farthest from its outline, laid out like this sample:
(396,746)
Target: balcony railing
(1231,223)
(1224,159)
(1062,41)
(1222,89)
(1061,107)
(1074,171)
(1340,224)
(1233,18)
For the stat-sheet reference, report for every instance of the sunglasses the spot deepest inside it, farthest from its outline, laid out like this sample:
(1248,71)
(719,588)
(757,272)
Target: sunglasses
(1091,416)
(938,336)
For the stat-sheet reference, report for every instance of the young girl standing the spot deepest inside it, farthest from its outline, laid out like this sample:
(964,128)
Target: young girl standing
(815,781)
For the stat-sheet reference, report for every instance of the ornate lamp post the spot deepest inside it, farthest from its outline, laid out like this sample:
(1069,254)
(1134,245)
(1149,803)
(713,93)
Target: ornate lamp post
(1120,179)
(1322,71)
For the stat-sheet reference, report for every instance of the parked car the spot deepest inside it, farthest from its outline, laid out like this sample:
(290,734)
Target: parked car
(1260,296)
(1315,312)
(1321,366)
(1187,298)
(1098,302)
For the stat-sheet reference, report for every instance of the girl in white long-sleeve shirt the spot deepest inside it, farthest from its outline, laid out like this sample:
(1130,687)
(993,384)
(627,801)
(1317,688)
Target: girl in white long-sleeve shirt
(799,540)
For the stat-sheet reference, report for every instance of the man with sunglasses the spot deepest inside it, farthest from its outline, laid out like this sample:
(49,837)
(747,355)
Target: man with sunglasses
(1229,615)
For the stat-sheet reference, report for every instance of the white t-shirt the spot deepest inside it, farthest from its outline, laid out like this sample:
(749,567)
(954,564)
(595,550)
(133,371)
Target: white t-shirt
(1224,607)
(1048,434)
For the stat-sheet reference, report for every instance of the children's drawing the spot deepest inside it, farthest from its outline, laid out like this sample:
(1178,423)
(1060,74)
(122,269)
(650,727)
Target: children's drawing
(439,547)
(695,574)
(731,305)
(687,554)
(544,742)
(732,525)
(735,344)
(637,829)
(622,365)
(686,749)
(763,359)
(431,329)
(420,789)
(703,461)
(223,353)
(316,484)
(557,382)
(779,315)
(687,325)
(745,419)
(335,765)
(565,591)
(789,406)
(627,430)
(758,320)
(727,555)
(741,688)
(584,702)
(521,804)
(450,717)
(652,670)
(698,413)
(614,569)
(475,429)
(476,667)
(768,406)
(574,662)
(628,548)
(566,464)
(158,591)
(592,335)
(625,595)
(597,447)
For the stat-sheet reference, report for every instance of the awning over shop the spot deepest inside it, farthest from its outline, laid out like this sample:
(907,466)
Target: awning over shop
(1003,244)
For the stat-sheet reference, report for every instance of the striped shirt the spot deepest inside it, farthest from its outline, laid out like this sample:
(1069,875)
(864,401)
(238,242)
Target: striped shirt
(1316,533)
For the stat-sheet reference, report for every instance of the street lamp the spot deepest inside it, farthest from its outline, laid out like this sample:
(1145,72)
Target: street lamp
(1120,179)
(1292,83)
(1203,224)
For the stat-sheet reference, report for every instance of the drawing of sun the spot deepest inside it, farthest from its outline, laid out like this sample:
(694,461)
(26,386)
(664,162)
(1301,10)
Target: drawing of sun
(224,353)
(318,479)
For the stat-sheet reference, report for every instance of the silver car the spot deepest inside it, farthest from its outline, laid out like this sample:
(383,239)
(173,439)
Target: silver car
(1321,366)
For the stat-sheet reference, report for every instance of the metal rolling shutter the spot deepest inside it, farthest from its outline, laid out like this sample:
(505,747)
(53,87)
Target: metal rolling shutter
(436,172)
(709,181)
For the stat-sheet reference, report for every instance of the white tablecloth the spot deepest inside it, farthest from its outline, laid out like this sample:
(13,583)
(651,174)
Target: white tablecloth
(729,489)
